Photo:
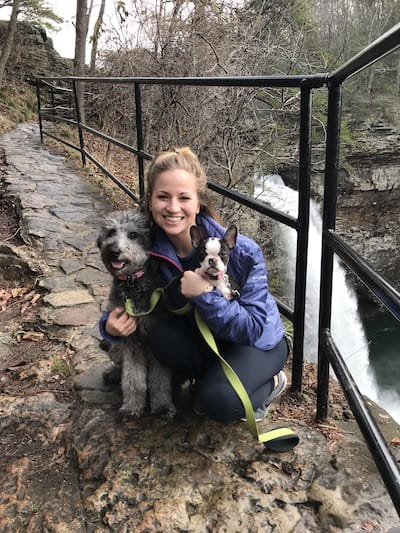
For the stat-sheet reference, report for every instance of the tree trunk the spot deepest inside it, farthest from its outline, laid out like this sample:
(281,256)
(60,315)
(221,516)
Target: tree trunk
(95,38)
(82,25)
(7,46)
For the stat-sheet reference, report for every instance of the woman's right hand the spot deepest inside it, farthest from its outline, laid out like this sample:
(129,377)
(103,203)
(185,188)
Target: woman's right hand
(120,324)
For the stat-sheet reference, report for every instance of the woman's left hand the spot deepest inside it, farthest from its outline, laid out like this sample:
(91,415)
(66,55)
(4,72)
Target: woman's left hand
(192,284)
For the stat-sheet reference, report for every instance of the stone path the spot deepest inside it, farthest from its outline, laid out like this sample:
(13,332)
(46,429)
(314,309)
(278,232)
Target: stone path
(60,214)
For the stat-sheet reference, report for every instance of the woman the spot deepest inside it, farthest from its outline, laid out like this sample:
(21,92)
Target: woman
(247,329)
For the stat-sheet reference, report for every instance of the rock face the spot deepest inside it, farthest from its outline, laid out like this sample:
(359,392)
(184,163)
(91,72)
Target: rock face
(368,201)
(34,54)
(69,463)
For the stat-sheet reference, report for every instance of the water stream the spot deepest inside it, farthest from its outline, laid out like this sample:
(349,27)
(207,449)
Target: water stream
(347,327)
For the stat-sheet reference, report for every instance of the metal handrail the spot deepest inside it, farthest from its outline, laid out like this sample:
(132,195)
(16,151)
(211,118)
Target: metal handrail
(380,48)
(328,353)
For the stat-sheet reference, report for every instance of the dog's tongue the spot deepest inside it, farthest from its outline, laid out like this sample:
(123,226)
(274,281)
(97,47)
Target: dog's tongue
(117,265)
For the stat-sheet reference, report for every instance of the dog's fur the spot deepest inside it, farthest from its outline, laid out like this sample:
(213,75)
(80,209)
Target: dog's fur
(214,256)
(124,241)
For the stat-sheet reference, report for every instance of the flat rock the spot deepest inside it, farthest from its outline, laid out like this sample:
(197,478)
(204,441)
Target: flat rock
(68,298)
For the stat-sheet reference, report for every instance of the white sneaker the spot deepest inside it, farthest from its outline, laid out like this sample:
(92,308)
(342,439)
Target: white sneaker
(261,412)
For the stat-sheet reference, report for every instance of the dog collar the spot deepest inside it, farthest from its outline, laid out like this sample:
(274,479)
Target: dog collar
(216,277)
(136,275)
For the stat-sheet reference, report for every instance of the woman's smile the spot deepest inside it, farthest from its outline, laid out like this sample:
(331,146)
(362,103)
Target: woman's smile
(174,204)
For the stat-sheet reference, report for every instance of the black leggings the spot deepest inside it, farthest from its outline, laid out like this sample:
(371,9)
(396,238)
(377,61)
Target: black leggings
(177,343)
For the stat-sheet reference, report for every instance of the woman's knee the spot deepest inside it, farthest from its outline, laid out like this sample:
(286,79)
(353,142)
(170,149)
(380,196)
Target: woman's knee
(219,403)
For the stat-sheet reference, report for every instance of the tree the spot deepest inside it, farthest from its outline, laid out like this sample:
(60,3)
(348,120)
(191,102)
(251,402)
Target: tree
(226,126)
(34,11)
(81,31)
(7,46)
(95,38)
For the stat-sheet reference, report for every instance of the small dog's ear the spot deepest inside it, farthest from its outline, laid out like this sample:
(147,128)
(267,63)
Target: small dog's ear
(231,236)
(195,236)
(142,205)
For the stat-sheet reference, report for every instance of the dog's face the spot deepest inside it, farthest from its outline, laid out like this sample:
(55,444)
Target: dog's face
(124,240)
(214,253)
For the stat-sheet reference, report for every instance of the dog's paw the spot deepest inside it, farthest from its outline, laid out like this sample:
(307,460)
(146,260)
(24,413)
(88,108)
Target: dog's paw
(127,412)
(112,375)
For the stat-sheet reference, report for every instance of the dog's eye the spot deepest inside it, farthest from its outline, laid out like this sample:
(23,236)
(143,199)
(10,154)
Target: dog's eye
(132,235)
(110,233)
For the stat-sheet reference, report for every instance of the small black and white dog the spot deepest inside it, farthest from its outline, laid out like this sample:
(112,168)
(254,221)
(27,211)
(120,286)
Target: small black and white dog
(124,241)
(214,256)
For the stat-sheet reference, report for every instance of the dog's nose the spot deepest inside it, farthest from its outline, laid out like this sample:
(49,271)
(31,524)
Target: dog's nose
(115,252)
(212,261)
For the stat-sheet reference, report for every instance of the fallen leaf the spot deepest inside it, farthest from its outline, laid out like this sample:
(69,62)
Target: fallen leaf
(34,336)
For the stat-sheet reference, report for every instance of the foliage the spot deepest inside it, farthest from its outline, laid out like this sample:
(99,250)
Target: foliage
(234,130)
(17,104)
(36,12)
(61,366)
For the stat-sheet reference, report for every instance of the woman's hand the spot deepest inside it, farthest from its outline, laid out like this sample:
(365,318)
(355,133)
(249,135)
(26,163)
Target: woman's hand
(192,284)
(120,324)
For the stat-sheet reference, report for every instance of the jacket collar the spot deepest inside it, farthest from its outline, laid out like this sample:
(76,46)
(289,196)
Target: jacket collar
(163,247)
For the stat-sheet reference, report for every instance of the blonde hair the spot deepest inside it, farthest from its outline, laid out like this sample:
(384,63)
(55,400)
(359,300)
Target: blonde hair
(182,159)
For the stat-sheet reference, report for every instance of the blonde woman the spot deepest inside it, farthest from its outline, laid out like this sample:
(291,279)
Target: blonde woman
(247,329)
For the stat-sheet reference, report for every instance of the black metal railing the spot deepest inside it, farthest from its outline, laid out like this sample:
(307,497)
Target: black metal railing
(328,353)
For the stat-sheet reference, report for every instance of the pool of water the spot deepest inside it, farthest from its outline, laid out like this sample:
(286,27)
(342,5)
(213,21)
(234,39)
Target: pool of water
(383,333)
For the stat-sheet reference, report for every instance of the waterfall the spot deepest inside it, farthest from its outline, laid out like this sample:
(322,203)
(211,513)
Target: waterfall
(347,329)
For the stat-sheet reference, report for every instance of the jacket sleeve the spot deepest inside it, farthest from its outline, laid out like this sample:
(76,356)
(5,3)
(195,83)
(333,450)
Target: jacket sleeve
(240,320)
(102,328)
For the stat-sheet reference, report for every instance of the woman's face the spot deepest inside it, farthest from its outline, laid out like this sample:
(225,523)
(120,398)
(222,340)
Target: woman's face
(174,203)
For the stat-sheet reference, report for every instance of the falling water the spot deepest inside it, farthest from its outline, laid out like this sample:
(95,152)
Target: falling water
(346,325)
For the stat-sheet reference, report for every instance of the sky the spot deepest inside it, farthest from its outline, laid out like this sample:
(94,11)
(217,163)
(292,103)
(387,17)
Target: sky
(64,40)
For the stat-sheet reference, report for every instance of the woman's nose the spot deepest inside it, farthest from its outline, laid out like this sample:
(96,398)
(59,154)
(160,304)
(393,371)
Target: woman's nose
(173,205)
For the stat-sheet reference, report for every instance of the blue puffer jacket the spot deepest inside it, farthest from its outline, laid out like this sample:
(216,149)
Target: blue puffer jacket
(253,318)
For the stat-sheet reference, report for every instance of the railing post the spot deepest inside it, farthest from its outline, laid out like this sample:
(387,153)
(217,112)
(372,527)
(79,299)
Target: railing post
(139,134)
(53,102)
(302,235)
(78,119)
(39,110)
(327,255)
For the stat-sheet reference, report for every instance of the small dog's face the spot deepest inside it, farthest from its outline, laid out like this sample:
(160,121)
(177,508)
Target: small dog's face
(214,253)
(124,240)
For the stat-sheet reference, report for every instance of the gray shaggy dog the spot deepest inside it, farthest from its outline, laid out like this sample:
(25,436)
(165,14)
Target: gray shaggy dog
(124,240)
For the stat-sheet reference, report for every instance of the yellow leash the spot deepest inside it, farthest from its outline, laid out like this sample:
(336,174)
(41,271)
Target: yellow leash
(279,439)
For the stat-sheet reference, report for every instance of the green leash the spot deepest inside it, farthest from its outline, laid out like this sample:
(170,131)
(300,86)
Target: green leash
(277,440)
(156,295)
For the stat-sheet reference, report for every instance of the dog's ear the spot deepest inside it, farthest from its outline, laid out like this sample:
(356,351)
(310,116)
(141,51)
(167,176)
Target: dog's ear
(195,236)
(231,236)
